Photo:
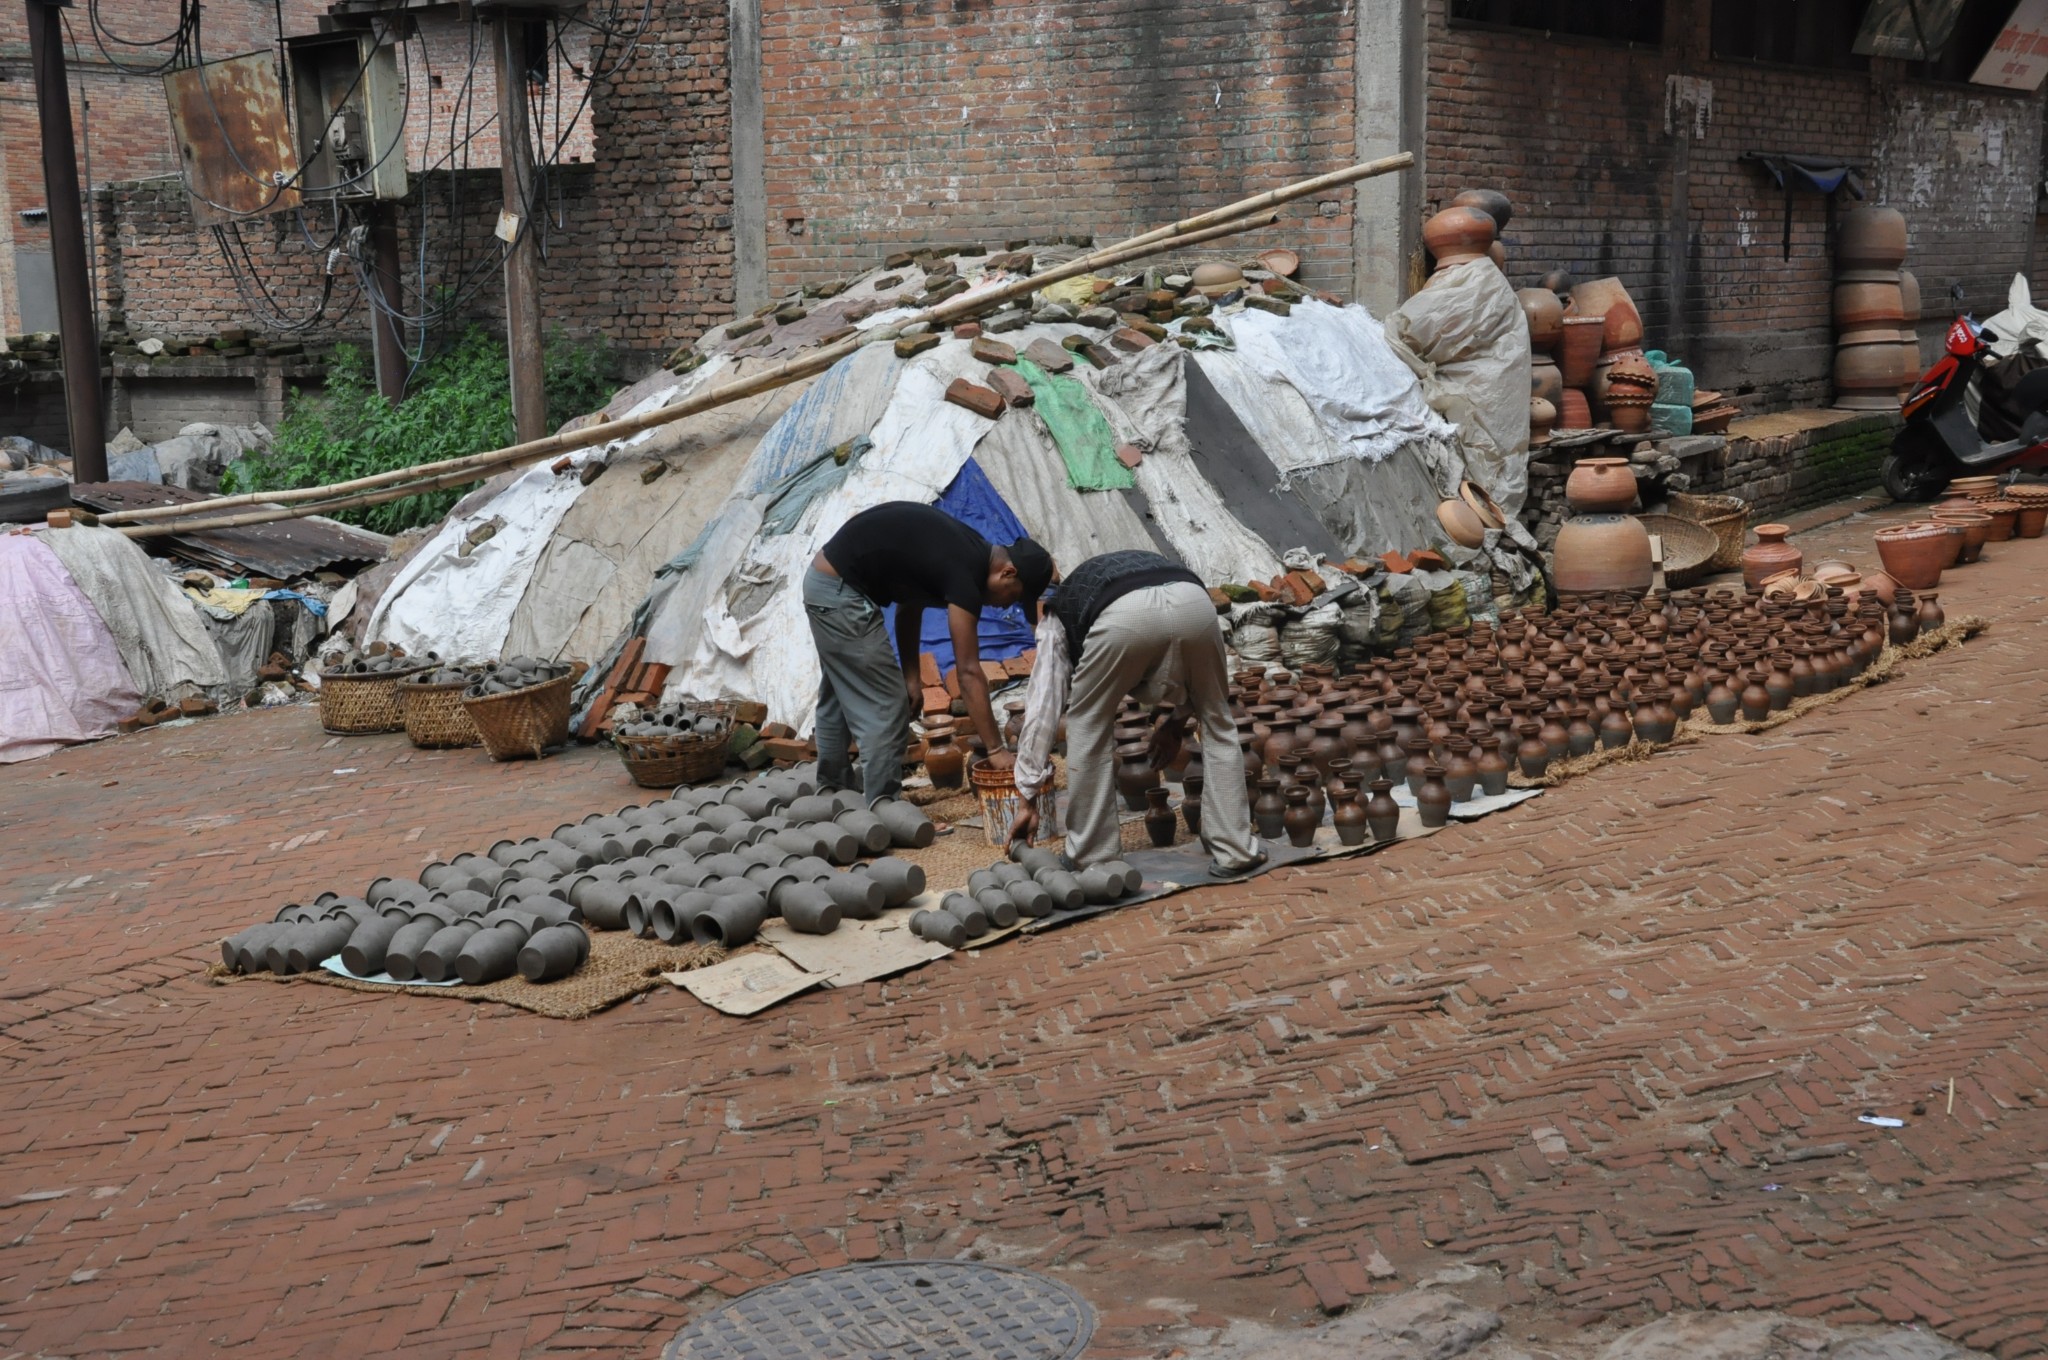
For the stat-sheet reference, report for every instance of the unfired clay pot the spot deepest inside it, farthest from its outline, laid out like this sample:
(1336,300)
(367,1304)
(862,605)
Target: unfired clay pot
(1769,555)
(1600,486)
(1597,553)
(1545,315)
(1871,237)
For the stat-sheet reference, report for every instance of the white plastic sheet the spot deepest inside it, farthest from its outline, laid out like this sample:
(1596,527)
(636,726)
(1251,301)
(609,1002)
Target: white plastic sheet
(1467,339)
(61,676)
(163,639)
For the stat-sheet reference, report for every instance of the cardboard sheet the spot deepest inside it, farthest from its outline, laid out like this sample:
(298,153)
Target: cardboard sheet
(857,952)
(747,984)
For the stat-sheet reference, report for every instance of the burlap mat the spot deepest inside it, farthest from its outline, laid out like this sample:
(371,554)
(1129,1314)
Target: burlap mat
(1951,634)
(619,966)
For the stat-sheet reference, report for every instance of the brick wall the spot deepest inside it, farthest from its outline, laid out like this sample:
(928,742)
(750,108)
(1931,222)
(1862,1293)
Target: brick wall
(1576,132)
(893,123)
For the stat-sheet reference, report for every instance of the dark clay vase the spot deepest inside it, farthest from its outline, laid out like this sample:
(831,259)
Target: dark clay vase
(1134,775)
(1493,770)
(1723,702)
(1433,799)
(1756,700)
(1779,683)
(1580,735)
(1349,817)
(1382,813)
(1930,617)
(1159,819)
(1191,802)
(943,761)
(1300,820)
(1532,755)
(1615,727)
(1269,812)
(1461,775)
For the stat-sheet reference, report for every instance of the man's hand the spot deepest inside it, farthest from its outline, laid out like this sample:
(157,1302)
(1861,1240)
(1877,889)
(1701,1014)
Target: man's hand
(1002,760)
(1164,747)
(916,694)
(1024,826)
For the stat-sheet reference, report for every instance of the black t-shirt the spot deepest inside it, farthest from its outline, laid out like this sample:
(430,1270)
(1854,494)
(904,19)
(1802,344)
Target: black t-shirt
(905,553)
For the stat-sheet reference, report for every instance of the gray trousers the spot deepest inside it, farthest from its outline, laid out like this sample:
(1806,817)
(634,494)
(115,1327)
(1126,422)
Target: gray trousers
(862,695)
(1163,645)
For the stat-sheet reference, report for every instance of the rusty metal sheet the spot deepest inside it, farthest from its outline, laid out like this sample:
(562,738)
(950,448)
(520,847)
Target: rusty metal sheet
(286,549)
(234,140)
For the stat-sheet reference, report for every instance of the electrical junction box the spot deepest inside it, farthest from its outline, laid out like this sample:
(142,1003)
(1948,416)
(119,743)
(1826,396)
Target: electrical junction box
(351,116)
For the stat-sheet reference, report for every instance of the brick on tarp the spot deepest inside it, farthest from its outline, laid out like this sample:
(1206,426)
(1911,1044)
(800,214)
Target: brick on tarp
(910,346)
(1048,356)
(1010,385)
(993,351)
(974,397)
(1130,341)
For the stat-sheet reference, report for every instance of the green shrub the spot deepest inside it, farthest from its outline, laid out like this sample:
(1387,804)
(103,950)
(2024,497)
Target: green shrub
(459,403)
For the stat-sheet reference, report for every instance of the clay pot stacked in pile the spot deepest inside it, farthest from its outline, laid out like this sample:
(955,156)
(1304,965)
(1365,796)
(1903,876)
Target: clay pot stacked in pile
(1976,511)
(1459,235)
(1624,403)
(1544,312)
(1601,547)
(1451,715)
(1877,350)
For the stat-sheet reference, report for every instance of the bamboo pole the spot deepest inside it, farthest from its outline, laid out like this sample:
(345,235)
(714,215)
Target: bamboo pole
(456,471)
(1244,215)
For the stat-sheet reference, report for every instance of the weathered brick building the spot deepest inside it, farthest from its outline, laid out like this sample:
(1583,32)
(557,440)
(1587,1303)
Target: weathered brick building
(753,145)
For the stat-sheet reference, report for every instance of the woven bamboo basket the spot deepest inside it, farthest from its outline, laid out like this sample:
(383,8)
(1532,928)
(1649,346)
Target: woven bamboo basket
(685,758)
(1727,516)
(522,725)
(434,716)
(357,705)
(1689,547)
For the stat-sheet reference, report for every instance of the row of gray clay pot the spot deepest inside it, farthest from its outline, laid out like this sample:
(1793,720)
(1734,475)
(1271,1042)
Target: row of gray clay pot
(709,865)
(1037,884)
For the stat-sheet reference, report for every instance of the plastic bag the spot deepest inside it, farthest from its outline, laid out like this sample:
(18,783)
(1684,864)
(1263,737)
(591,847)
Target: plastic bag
(1253,634)
(1312,639)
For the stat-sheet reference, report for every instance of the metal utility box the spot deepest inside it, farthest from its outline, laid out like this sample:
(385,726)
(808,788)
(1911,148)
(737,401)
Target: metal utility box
(234,140)
(351,114)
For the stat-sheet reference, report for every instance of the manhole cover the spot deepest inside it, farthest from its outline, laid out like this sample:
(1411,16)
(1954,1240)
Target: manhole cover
(893,1310)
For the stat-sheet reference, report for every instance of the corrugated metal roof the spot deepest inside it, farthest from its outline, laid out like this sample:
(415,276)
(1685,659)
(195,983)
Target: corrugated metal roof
(285,549)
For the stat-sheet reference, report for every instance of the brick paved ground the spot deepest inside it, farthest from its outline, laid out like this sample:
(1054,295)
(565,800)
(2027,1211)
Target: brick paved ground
(1608,1049)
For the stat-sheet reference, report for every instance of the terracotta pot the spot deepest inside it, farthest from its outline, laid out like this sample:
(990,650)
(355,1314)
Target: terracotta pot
(1498,253)
(1867,368)
(1300,820)
(1930,616)
(1542,420)
(1492,202)
(1493,769)
(1597,553)
(1269,810)
(1609,299)
(1871,237)
(1630,419)
(1861,303)
(1545,379)
(2033,517)
(1458,520)
(1881,585)
(1909,295)
(944,761)
(1910,367)
(1545,315)
(1160,822)
(1600,486)
(1574,412)
(1348,817)
(1578,349)
(1433,798)
(1769,555)
(1458,233)
(1974,527)
(1135,775)
(1461,773)
(1914,554)
(1382,813)
(2004,516)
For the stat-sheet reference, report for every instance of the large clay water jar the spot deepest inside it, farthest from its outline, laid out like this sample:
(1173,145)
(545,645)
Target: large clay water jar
(1545,315)
(1600,486)
(1492,202)
(1914,554)
(1579,348)
(1769,555)
(1910,367)
(1871,238)
(1868,367)
(1608,298)
(1546,380)
(1456,235)
(1597,553)
(1909,295)
(1869,297)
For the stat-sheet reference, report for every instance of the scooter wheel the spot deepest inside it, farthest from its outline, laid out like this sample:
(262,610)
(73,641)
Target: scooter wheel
(1913,474)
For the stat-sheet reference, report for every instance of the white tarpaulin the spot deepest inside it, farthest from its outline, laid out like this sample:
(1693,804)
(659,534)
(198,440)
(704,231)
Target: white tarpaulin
(61,676)
(1466,338)
(163,640)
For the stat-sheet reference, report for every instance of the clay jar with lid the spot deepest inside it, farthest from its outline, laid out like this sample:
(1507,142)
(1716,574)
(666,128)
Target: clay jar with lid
(1769,555)
(1600,486)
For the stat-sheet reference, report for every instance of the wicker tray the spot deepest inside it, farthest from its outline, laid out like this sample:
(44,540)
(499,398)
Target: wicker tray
(1726,516)
(686,758)
(1689,548)
(434,716)
(522,725)
(357,705)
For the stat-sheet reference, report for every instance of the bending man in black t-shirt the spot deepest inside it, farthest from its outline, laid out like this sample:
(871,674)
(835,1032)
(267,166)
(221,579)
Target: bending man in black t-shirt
(916,558)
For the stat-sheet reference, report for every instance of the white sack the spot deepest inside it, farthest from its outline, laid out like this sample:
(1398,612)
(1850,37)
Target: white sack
(163,639)
(1467,339)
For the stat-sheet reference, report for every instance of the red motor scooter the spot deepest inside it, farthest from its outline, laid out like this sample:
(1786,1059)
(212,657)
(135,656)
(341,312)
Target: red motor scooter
(1941,441)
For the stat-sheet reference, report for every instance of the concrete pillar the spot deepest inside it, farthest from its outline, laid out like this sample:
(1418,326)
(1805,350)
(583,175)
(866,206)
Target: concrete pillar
(1388,117)
(749,157)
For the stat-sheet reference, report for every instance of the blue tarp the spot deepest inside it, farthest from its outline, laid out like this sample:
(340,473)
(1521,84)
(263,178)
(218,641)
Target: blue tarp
(1004,633)
(807,426)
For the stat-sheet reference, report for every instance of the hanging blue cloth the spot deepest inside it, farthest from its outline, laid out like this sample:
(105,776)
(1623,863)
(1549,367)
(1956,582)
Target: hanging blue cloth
(1004,633)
